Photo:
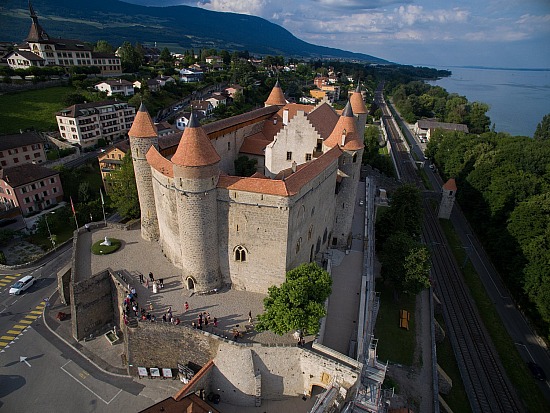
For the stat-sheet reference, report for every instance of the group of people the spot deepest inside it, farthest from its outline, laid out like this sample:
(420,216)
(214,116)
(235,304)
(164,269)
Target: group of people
(155,284)
(204,319)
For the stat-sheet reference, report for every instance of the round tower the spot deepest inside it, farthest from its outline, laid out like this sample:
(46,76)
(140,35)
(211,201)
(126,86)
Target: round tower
(196,173)
(143,134)
(346,137)
(360,110)
(276,97)
(448,194)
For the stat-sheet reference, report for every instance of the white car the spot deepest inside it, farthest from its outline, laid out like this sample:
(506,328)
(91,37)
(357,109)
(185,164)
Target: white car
(22,285)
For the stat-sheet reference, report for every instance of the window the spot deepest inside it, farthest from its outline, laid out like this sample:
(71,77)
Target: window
(33,186)
(228,146)
(298,245)
(45,193)
(54,190)
(289,156)
(23,190)
(4,163)
(308,157)
(42,183)
(27,200)
(37,155)
(52,180)
(240,254)
(27,157)
(25,149)
(354,159)
(310,232)
(15,160)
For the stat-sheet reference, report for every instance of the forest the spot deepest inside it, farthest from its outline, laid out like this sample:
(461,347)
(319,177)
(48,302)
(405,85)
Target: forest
(504,189)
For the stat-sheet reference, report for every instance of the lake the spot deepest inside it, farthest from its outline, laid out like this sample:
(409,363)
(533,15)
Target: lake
(518,99)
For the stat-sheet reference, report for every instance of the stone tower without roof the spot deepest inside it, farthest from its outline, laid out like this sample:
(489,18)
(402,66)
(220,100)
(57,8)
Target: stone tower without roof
(359,110)
(196,174)
(143,134)
(345,135)
(448,194)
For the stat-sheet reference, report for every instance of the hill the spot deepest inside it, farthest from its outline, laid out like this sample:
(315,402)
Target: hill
(183,26)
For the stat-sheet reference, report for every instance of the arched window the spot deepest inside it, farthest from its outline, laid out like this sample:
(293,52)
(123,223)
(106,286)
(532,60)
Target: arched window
(240,253)
(354,157)
(298,245)
(310,232)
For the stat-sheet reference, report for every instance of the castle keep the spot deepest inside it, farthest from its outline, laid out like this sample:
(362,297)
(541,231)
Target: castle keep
(248,232)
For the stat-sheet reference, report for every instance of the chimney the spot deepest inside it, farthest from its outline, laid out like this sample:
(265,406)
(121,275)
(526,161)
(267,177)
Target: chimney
(344,137)
(285,117)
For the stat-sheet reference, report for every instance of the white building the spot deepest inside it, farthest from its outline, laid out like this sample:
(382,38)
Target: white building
(86,123)
(118,86)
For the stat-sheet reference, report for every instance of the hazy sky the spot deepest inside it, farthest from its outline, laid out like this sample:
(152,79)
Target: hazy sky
(503,33)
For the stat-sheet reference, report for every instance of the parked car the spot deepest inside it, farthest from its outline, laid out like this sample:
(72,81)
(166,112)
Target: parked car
(22,285)
(536,371)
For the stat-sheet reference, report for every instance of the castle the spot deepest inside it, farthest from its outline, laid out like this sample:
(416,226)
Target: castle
(249,231)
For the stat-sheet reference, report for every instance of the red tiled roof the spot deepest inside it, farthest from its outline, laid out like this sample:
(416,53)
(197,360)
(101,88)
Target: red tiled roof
(450,185)
(257,185)
(255,144)
(143,126)
(357,103)
(195,148)
(345,126)
(159,162)
(324,119)
(276,97)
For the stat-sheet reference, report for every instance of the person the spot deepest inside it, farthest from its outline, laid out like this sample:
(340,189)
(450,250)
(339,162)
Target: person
(155,287)
(164,318)
(133,292)
(177,321)
(150,306)
(151,277)
(215,322)
(141,278)
(161,282)
(250,317)
(186,306)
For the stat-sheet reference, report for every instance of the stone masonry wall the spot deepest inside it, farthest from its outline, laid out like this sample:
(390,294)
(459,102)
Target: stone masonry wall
(165,201)
(64,283)
(91,305)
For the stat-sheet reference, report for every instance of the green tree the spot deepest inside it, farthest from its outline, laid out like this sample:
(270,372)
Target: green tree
(543,129)
(123,192)
(73,99)
(131,57)
(299,303)
(165,55)
(244,166)
(103,46)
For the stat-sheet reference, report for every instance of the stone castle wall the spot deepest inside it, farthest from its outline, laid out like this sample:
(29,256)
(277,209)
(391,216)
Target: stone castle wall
(149,222)
(259,224)
(285,371)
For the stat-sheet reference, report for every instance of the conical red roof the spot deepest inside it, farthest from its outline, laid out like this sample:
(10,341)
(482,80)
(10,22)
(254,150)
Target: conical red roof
(450,185)
(195,148)
(276,97)
(143,126)
(357,103)
(345,127)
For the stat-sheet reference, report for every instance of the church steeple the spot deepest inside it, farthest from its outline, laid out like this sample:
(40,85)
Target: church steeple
(36,32)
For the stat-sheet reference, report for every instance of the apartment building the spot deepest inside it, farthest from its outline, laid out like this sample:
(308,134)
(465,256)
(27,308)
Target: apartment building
(21,148)
(85,123)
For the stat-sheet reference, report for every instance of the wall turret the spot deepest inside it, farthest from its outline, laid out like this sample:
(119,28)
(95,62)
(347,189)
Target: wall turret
(143,135)
(276,97)
(360,110)
(448,194)
(346,137)
(196,174)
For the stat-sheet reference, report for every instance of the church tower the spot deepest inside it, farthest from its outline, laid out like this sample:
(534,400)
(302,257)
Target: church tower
(360,111)
(143,134)
(36,33)
(448,194)
(346,137)
(276,97)
(196,174)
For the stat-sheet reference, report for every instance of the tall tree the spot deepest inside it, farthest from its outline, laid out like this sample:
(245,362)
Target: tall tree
(543,129)
(123,190)
(299,303)
(103,46)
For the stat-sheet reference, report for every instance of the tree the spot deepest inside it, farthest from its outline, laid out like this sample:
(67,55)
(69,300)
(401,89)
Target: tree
(73,99)
(165,55)
(299,303)
(405,263)
(123,191)
(131,57)
(543,129)
(244,166)
(103,46)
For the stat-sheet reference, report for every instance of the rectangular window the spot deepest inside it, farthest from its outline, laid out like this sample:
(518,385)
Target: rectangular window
(42,183)
(23,190)
(289,156)
(228,146)
(27,200)
(1,154)
(25,149)
(4,163)
(27,157)
(52,180)
(30,209)
(308,157)
(45,193)
(15,160)
(33,186)
(54,190)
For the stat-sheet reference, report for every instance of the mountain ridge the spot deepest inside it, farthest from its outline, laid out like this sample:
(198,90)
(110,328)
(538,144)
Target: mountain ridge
(189,27)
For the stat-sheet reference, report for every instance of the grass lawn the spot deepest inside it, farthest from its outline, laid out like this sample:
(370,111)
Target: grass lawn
(32,108)
(457,398)
(61,235)
(394,343)
(515,367)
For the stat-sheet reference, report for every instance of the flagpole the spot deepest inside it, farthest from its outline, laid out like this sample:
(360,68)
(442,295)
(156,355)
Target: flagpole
(74,213)
(103,206)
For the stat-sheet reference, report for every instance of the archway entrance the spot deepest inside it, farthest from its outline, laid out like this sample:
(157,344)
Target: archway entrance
(190,283)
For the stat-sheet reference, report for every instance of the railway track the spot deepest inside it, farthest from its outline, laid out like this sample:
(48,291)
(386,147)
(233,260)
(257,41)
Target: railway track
(487,386)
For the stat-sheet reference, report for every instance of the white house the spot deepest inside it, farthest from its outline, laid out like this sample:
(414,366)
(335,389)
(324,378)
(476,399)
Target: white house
(216,100)
(118,86)
(23,60)
(191,75)
(183,120)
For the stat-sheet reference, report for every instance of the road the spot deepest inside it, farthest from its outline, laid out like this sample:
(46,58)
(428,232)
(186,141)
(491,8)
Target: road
(42,373)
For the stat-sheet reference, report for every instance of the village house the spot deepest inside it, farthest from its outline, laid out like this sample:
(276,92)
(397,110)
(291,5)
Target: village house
(21,148)
(424,128)
(119,86)
(31,188)
(111,160)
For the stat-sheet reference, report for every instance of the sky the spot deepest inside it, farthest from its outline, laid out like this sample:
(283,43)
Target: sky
(490,33)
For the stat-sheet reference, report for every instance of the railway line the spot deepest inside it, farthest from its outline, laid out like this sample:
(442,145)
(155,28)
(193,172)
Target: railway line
(487,386)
